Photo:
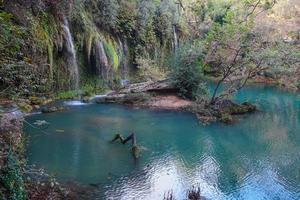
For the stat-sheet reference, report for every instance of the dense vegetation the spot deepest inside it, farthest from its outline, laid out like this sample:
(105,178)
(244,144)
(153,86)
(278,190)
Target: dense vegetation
(59,48)
(141,39)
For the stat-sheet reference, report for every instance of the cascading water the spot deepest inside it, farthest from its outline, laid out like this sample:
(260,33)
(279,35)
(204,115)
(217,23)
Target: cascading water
(175,38)
(100,59)
(123,55)
(72,58)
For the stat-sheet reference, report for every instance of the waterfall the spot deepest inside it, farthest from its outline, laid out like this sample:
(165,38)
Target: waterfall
(100,58)
(72,58)
(175,38)
(123,61)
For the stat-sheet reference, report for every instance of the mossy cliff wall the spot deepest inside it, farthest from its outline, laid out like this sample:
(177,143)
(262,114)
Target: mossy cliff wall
(43,41)
(34,54)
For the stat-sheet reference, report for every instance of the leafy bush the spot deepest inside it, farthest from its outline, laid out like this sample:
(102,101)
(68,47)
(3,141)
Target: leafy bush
(11,37)
(127,18)
(67,94)
(12,180)
(186,71)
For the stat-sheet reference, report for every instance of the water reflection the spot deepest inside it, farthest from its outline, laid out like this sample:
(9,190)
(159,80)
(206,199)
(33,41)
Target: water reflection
(257,158)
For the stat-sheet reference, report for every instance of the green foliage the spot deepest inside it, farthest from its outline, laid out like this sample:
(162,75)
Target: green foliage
(163,22)
(146,26)
(226,118)
(127,18)
(11,37)
(22,79)
(105,12)
(12,180)
(94,86)
(186,71)
(87,91)
(67,94)
(25,107)
(91,86)
(45,32)
(148,70)
(111,53)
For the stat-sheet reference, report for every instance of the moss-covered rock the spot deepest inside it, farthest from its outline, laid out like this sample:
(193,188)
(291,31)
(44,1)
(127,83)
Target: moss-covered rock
(25,107)
(37,100)
(226,118)
(53,109)
(86,99)
(236,109)
(249,107)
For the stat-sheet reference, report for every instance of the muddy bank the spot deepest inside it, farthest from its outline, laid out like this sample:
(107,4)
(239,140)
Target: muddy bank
(171,102)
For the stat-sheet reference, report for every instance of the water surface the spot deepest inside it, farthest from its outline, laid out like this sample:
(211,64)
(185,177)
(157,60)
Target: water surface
(256,158)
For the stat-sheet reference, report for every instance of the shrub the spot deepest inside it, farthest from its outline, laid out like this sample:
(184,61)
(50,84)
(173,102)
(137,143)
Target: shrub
(67,94)
(186,71)
(11,37)
(12,180)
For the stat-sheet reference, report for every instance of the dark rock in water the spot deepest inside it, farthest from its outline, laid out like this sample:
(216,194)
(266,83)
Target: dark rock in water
(231,108)
(86,99)
(53,109)
(226,118)
(223,111)
(250,107)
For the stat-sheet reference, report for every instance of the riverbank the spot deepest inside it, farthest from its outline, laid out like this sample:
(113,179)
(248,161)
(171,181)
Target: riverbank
(164,95)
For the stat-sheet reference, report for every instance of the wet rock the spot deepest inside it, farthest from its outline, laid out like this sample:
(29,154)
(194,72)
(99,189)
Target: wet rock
(249,107)
(25,107)
(86,99)
(53,109)
(232,108)
(224,111)
(37,100)
(226,118)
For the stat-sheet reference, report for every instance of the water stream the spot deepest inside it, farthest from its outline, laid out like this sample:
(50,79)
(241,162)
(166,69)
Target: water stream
(256,158)
(175,38)
(72,57)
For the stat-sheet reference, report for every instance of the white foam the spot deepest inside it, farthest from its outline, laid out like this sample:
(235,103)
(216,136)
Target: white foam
(75,103)
(93,98)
